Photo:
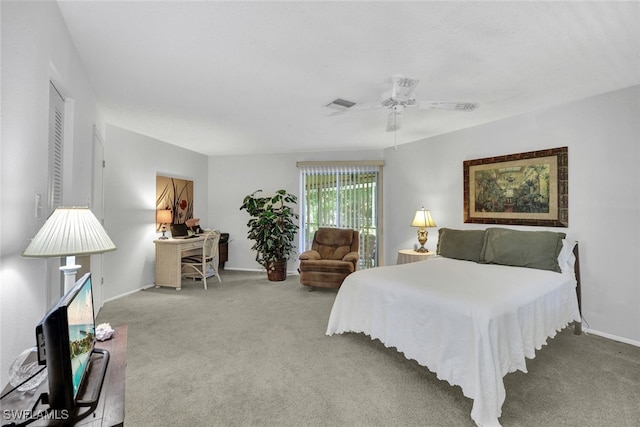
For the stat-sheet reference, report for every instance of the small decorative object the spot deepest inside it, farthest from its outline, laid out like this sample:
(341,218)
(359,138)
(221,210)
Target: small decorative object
(272,228)
(194,225)
(422,220)
(104,331)
(20,372)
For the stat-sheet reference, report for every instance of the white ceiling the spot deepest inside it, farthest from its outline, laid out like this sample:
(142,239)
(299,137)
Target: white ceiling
(240,77)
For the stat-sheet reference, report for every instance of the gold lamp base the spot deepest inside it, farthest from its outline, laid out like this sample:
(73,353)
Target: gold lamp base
(422,239)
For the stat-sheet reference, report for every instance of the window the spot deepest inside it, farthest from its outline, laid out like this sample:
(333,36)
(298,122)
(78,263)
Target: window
(342,195)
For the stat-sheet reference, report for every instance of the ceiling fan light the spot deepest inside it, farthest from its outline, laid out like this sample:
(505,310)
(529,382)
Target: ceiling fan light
(403,87)
(406,82)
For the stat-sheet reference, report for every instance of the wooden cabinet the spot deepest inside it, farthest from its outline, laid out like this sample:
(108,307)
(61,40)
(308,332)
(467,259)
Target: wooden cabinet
(223,248)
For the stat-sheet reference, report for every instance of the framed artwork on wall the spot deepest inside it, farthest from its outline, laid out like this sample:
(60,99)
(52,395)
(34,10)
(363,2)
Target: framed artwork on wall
(529,188)
(176,195)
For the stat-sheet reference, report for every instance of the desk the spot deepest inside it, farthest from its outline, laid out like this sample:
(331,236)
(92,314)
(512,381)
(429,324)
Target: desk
(409,255)
(109,411)
(169,253)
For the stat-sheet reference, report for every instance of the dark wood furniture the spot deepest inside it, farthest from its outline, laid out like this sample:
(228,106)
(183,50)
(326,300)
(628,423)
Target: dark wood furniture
(17,407)
(223,249)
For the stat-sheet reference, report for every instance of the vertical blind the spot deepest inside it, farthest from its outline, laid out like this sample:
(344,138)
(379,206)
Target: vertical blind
(55,283)
(56,137)
(342,195)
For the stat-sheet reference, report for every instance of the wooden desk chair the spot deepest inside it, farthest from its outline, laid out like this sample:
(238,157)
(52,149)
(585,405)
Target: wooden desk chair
(197,266)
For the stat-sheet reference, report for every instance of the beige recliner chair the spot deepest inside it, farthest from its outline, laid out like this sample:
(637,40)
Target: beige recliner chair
(333,256)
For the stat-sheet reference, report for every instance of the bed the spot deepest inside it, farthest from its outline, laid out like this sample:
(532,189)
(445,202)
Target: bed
(473,313)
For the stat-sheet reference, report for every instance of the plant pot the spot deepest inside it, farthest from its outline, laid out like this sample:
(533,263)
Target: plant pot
(278,272)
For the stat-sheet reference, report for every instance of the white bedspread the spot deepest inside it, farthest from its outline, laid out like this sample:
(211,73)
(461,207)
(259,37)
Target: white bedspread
(469,323)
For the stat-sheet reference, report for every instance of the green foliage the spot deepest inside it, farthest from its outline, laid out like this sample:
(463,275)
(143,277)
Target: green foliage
(271,226)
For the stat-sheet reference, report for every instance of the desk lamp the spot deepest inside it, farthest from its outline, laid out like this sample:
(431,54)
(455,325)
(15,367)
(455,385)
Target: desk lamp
(422,220)
(164,217)
(69,232)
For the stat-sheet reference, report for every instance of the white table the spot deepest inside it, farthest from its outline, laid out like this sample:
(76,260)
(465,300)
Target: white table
(409,255)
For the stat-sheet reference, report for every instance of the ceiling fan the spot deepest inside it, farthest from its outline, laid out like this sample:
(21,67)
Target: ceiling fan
(402,96)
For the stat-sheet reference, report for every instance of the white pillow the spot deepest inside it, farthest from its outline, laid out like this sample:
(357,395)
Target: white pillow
(566,258)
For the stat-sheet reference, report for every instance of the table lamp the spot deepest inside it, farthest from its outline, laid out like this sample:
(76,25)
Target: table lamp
(164,217)
(70,231)
(422,220)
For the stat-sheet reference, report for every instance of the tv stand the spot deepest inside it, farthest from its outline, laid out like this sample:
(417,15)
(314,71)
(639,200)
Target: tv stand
(101,398)
(97,371)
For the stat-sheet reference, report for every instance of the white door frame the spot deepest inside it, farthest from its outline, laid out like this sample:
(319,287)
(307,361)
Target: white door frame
(97,207)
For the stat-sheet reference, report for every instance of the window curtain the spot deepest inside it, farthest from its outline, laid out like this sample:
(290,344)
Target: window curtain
(342,195)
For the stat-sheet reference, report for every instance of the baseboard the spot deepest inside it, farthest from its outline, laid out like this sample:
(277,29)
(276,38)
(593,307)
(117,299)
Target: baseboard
(612,337)
(258,270)
(254,270)
(128,293)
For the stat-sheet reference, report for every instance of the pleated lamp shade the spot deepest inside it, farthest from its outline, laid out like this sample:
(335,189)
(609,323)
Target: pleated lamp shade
(68,232)
(423,219)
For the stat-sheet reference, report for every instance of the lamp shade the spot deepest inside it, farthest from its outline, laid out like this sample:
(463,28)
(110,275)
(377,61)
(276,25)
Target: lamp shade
(70,231)
(423,219)
(164,216)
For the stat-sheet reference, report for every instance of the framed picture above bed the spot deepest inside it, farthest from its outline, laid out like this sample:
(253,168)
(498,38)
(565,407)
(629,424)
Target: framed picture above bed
(530,188)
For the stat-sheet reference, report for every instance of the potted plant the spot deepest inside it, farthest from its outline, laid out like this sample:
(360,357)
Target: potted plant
(272,228)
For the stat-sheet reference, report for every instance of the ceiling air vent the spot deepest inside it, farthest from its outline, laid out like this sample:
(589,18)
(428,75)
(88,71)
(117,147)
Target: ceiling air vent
(340,104)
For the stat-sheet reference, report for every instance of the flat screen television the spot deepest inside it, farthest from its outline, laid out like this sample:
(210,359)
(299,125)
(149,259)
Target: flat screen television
(65,339)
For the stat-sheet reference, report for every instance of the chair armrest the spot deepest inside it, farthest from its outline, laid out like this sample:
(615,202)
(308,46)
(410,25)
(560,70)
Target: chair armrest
(310,255)
(351,257)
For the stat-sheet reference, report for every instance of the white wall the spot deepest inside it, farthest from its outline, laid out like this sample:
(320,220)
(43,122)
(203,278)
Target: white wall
(602,134)
(36,48)
(132,163)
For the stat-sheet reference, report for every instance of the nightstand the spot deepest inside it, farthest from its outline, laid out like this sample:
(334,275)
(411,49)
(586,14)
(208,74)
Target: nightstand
(409,255)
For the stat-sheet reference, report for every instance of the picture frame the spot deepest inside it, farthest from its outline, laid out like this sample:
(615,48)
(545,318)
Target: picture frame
(530,188)
(176,195)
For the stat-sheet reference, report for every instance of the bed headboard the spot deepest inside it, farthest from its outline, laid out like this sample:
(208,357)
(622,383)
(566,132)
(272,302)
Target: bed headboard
(576,268)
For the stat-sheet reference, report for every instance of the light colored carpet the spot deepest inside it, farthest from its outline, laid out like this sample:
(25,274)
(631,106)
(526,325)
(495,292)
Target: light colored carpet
(249,352)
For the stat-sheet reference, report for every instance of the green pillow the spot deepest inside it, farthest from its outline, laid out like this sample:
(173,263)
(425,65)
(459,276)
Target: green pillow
(460,244)
(533,249)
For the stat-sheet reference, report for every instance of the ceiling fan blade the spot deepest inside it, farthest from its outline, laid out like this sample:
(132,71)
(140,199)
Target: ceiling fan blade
(403,87)
(451,106)
(394,120)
